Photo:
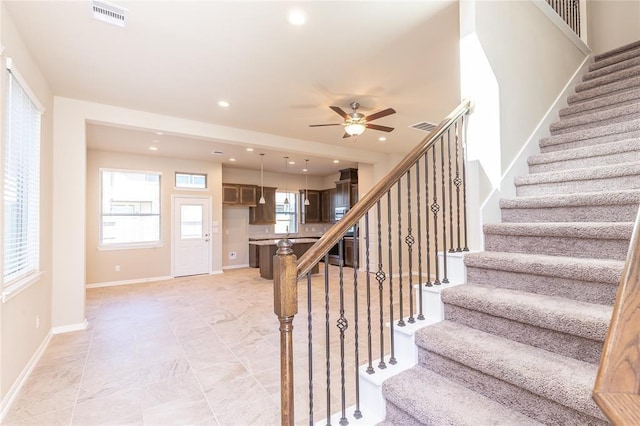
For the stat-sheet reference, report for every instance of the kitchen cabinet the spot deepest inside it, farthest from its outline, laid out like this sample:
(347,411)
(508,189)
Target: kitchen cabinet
(328,201)
(312,212)
(350,251)
(237,194)
(264,214)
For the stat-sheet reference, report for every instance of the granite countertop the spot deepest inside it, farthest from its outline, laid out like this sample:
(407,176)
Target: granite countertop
(275,241)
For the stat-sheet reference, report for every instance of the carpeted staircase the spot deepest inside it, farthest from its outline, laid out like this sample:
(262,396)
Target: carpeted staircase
(521,341)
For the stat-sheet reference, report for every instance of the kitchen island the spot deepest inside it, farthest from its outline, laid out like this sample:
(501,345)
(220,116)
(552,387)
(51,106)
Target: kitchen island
(266,249)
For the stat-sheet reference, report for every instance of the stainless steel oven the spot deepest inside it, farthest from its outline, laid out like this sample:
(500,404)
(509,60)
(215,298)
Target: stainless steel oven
(340,212)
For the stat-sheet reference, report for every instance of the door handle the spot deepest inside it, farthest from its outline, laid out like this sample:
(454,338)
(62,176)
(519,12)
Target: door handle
(206,240)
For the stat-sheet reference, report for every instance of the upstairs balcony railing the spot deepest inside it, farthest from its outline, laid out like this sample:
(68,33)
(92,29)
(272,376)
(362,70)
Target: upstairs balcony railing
(415,212)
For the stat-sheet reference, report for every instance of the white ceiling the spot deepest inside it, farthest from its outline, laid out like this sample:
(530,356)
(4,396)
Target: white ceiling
(180,58)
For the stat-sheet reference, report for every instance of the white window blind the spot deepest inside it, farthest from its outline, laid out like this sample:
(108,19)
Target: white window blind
(21,180)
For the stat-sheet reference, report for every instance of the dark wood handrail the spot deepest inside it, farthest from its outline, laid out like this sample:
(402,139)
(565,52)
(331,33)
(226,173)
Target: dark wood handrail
(335,233)
(617,388)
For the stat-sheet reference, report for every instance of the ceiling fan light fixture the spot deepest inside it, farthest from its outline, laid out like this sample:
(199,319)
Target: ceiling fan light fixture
(354,129)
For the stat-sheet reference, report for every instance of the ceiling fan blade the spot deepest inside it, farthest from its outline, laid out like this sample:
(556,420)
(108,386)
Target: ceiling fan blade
(380,114)
(378,127)
(340,112)
(346,135)
(322,125)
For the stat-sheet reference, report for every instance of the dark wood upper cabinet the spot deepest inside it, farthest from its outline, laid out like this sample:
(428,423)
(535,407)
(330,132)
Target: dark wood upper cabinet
(264,214)
(312,212)
(328,201)
(238,194)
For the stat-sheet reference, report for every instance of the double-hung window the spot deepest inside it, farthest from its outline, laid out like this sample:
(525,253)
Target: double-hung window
(129,208)
(21,189)
(286,212)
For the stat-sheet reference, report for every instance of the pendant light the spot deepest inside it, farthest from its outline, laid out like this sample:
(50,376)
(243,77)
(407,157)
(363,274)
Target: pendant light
(286,192)
(306,182)
(261,201)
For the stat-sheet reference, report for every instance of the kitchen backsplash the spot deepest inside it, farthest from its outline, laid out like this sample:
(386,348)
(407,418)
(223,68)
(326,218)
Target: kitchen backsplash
(266,231)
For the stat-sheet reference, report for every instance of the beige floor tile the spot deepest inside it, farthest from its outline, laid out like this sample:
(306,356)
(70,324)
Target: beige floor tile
(173,388)
(220,373)
(152,371)
(54,418)
(113,381)
(183,411)
(256,412)
(233,395)
(117,408)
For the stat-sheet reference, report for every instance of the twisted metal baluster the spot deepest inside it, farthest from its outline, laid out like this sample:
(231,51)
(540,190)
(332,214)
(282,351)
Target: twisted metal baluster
(401,322)
(444,213)
(420,312)
(370,369)
(392,359)
(409,240)
(342,325)
(435,208)
(356,257)
(426,201)
(380,277)
(457,182)
(326,336)
(451,249)
(310,347)
(464,181)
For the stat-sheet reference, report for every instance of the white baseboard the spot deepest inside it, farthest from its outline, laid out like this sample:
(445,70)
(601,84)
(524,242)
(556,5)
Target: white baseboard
(127,282)
(218,271)
(10,397)
(70,327)
(246,265)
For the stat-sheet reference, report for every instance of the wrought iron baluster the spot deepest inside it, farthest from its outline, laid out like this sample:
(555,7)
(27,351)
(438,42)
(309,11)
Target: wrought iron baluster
(356,260)
(464,180)
(409,240)
(380,277)
(370,369)
(445,278)
(342,325)
(435,208)
(401,322)
(449,180)
(327,336)
(310,347)
(426,201)
(420,312)
(457,182)
(392,359)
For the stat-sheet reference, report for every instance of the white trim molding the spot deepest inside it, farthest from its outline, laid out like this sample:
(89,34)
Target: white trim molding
(70,327)
(127,282)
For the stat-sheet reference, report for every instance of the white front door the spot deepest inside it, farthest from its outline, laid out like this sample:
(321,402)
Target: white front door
(191,236)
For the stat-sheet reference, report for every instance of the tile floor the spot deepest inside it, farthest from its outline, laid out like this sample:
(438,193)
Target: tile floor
(197,350)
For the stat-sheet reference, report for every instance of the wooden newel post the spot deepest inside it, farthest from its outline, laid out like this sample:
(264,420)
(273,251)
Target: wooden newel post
(285,306)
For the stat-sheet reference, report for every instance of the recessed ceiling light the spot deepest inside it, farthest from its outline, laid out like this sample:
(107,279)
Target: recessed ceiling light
(382,139)
(159,133)
(223,104)
(305,170)
(336,161)
(297,17)
(232,159)
(292,162)
(249,149)
(155,141)
(153,148)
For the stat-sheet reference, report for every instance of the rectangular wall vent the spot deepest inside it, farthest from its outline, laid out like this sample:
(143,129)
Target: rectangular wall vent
(424,126)
(109,13)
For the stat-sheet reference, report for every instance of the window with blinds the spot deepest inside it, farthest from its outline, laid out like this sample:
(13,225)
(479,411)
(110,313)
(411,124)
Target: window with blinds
(21,181)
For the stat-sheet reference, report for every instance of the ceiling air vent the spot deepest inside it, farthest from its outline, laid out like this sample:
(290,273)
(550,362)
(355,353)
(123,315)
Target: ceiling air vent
(216,152)
(424,126)
(108,12)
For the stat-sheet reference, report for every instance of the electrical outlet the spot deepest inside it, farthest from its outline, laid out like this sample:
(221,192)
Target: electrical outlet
(37,321)
(116,268)
(233,255)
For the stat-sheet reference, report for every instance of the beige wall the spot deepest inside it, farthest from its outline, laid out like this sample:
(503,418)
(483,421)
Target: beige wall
(612,23)
(19,337)
(144,262)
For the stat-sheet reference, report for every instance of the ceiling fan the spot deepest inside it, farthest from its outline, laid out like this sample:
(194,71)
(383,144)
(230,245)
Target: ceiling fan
(355,123)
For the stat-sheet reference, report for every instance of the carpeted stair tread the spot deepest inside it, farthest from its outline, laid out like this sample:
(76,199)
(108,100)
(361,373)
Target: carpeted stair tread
(601,103)
(599,230)
(616,55)
(431,399)
(600,270)
(586,174)
(620,75)
(604,90)
(588,320)
(606,133)
(556,377)
(618,149)
(579,199)
(598,118)
(627,63)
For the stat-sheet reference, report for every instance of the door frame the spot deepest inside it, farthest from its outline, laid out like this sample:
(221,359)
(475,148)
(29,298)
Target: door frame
(208,200)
